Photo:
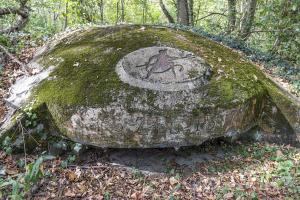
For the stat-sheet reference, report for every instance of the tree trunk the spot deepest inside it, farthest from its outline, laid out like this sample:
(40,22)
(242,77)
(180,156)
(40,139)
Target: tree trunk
(281,25)
(101,8)
(117,19)
(122,11)
(246,22)
(191,12)
(182,12)
(144,15)
(166,12)
(145,11)
(231,15)
(66,16)
(197,14)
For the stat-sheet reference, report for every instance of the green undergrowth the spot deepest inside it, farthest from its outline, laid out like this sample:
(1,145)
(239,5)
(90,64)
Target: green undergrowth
(258,167)
(244,171)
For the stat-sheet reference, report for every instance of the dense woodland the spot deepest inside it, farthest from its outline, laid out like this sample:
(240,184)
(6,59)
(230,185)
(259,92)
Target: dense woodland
(266,32)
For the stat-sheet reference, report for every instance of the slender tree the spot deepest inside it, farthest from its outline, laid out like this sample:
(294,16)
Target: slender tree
(183,12)
(145,11)
(117,18)
(289,17)
(166,12)
(66,15)
(122,10)
(101,8)
(191,12)
(246,22)
(231,15)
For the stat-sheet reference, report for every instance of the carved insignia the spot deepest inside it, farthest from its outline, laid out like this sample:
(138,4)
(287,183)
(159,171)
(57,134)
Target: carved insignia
(163,68)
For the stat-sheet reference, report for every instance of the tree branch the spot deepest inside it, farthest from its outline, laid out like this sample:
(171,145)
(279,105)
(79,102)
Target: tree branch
(166,12)
(266,31)
(20,11)
(23,12)
(210,14)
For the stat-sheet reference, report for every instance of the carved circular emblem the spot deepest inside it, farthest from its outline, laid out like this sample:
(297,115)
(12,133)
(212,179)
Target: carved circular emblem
(163,69)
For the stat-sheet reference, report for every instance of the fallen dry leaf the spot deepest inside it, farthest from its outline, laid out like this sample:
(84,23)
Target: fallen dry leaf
(69,193)
(71,176)
(173,180)
(229,195)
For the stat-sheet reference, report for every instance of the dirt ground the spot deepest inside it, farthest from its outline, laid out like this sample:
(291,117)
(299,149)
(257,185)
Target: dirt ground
(214,170)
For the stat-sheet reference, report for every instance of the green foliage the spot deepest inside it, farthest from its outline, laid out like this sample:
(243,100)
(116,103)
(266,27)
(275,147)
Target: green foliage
(77,147)
(7,145)
(31,118)
(34,171)
(271,61)
(5,41)
(107,196)
(137,174)
(70,159)
(283,171)
(17,188)
(283,19)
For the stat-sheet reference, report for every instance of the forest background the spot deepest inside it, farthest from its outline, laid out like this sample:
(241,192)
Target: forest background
(265,31)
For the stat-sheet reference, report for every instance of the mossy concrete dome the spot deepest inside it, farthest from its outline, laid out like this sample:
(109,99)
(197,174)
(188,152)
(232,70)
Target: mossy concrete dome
(85,97)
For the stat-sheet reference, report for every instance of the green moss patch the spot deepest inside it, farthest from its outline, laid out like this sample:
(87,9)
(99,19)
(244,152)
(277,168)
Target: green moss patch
(87,77)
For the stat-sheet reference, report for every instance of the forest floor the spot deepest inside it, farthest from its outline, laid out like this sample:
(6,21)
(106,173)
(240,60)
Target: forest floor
(9,74)
(215,170)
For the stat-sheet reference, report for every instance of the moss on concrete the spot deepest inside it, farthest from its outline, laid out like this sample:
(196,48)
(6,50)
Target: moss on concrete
(82,78)
(85,75)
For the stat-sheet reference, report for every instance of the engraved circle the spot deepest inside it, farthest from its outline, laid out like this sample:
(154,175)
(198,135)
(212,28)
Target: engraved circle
(163,69)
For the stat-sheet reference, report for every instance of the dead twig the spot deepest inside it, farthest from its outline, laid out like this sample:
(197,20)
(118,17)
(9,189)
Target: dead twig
(95,176)
(24,144)
(87,167)
(210,14)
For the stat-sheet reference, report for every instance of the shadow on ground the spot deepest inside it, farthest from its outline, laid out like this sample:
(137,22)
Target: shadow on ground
(185,159)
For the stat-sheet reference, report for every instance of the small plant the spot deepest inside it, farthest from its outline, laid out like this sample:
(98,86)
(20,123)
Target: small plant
(70,159)
(76,148)
(106,196)
(176,188)
(137,174)
(16,188)
(22,184)
(7,145)
(31,118)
